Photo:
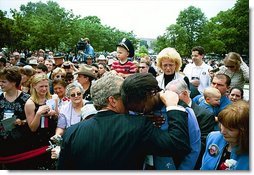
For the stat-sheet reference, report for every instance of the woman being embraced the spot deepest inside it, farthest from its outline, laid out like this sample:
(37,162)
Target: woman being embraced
(228,149)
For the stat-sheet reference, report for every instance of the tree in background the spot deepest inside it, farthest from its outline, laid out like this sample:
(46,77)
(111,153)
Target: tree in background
(227,31)
(48,26)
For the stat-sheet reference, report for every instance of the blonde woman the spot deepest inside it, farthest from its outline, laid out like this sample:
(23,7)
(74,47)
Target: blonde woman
(41,119)
(58,73)
(170,62)
(236,69)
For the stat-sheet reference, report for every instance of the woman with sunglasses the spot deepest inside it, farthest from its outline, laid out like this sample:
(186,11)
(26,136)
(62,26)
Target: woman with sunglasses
(236,69)
(70,112)
(58,73)
(143,67)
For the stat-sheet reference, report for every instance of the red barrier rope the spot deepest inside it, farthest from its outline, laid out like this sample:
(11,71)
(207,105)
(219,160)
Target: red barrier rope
(23,156)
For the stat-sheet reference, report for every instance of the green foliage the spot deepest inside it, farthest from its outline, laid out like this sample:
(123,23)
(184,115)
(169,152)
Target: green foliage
(142,51)
(48,26)
(226,32)
(5,30)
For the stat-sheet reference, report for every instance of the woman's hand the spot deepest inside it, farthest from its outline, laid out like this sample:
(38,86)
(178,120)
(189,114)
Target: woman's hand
(43,110)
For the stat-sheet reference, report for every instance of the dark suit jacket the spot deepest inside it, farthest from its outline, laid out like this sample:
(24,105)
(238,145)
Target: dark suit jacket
(206,121)
(111,141)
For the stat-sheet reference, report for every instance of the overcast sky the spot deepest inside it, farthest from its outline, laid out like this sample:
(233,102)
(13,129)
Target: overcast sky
(146,18)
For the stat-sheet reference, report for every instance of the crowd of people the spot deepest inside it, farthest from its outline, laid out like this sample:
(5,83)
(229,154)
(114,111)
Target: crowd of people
(117,113)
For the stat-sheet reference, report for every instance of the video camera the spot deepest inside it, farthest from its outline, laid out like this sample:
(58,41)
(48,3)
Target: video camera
(81,45)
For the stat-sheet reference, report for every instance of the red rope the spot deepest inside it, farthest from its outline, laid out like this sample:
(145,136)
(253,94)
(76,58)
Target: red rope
(23,156)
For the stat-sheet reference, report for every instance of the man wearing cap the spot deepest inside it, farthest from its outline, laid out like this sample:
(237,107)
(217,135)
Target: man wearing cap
(102,59)
(85,78)
(123,66)
(14,58)
(59,59)
(89,60)
(33,62)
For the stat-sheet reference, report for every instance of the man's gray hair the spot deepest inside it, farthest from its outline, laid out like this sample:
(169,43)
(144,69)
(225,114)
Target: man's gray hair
(108,85)
(180,85)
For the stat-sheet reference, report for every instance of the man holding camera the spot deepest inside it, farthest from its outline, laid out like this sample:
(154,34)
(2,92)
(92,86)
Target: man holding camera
(84,50)
(198,71)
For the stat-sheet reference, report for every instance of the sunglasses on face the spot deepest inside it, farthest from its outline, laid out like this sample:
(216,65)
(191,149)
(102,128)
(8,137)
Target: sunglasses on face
(60,76)
(143,67)
(76,94)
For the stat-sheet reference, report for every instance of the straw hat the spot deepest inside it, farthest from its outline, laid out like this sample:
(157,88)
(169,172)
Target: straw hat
(86,70)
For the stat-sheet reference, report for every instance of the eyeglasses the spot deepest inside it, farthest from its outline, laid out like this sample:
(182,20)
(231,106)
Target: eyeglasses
(60,76)
(76,94)
(168,65)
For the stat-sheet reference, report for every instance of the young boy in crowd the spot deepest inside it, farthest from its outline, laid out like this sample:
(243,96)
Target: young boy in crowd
(123,66)
(212,98)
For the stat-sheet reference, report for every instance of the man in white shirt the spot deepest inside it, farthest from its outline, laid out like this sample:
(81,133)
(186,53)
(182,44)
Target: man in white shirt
(198,71)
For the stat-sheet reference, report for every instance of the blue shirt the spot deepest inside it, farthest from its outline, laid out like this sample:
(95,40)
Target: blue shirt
(213,109)
(166,163)
(224,101)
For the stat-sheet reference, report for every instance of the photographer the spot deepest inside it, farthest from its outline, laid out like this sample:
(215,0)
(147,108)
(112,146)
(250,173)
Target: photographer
(84,49)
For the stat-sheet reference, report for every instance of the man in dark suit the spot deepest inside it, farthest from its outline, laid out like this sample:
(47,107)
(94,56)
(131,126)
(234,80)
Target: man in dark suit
(115,140)
(206,119)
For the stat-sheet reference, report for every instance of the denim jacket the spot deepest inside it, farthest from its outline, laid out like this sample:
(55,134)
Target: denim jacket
(211,161)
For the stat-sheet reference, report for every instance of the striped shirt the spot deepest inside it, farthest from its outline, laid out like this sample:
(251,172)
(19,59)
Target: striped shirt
(126,68)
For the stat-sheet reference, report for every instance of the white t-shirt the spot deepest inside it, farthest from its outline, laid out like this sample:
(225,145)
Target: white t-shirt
(191,70)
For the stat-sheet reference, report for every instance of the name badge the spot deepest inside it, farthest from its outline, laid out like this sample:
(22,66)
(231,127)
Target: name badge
(8,114)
